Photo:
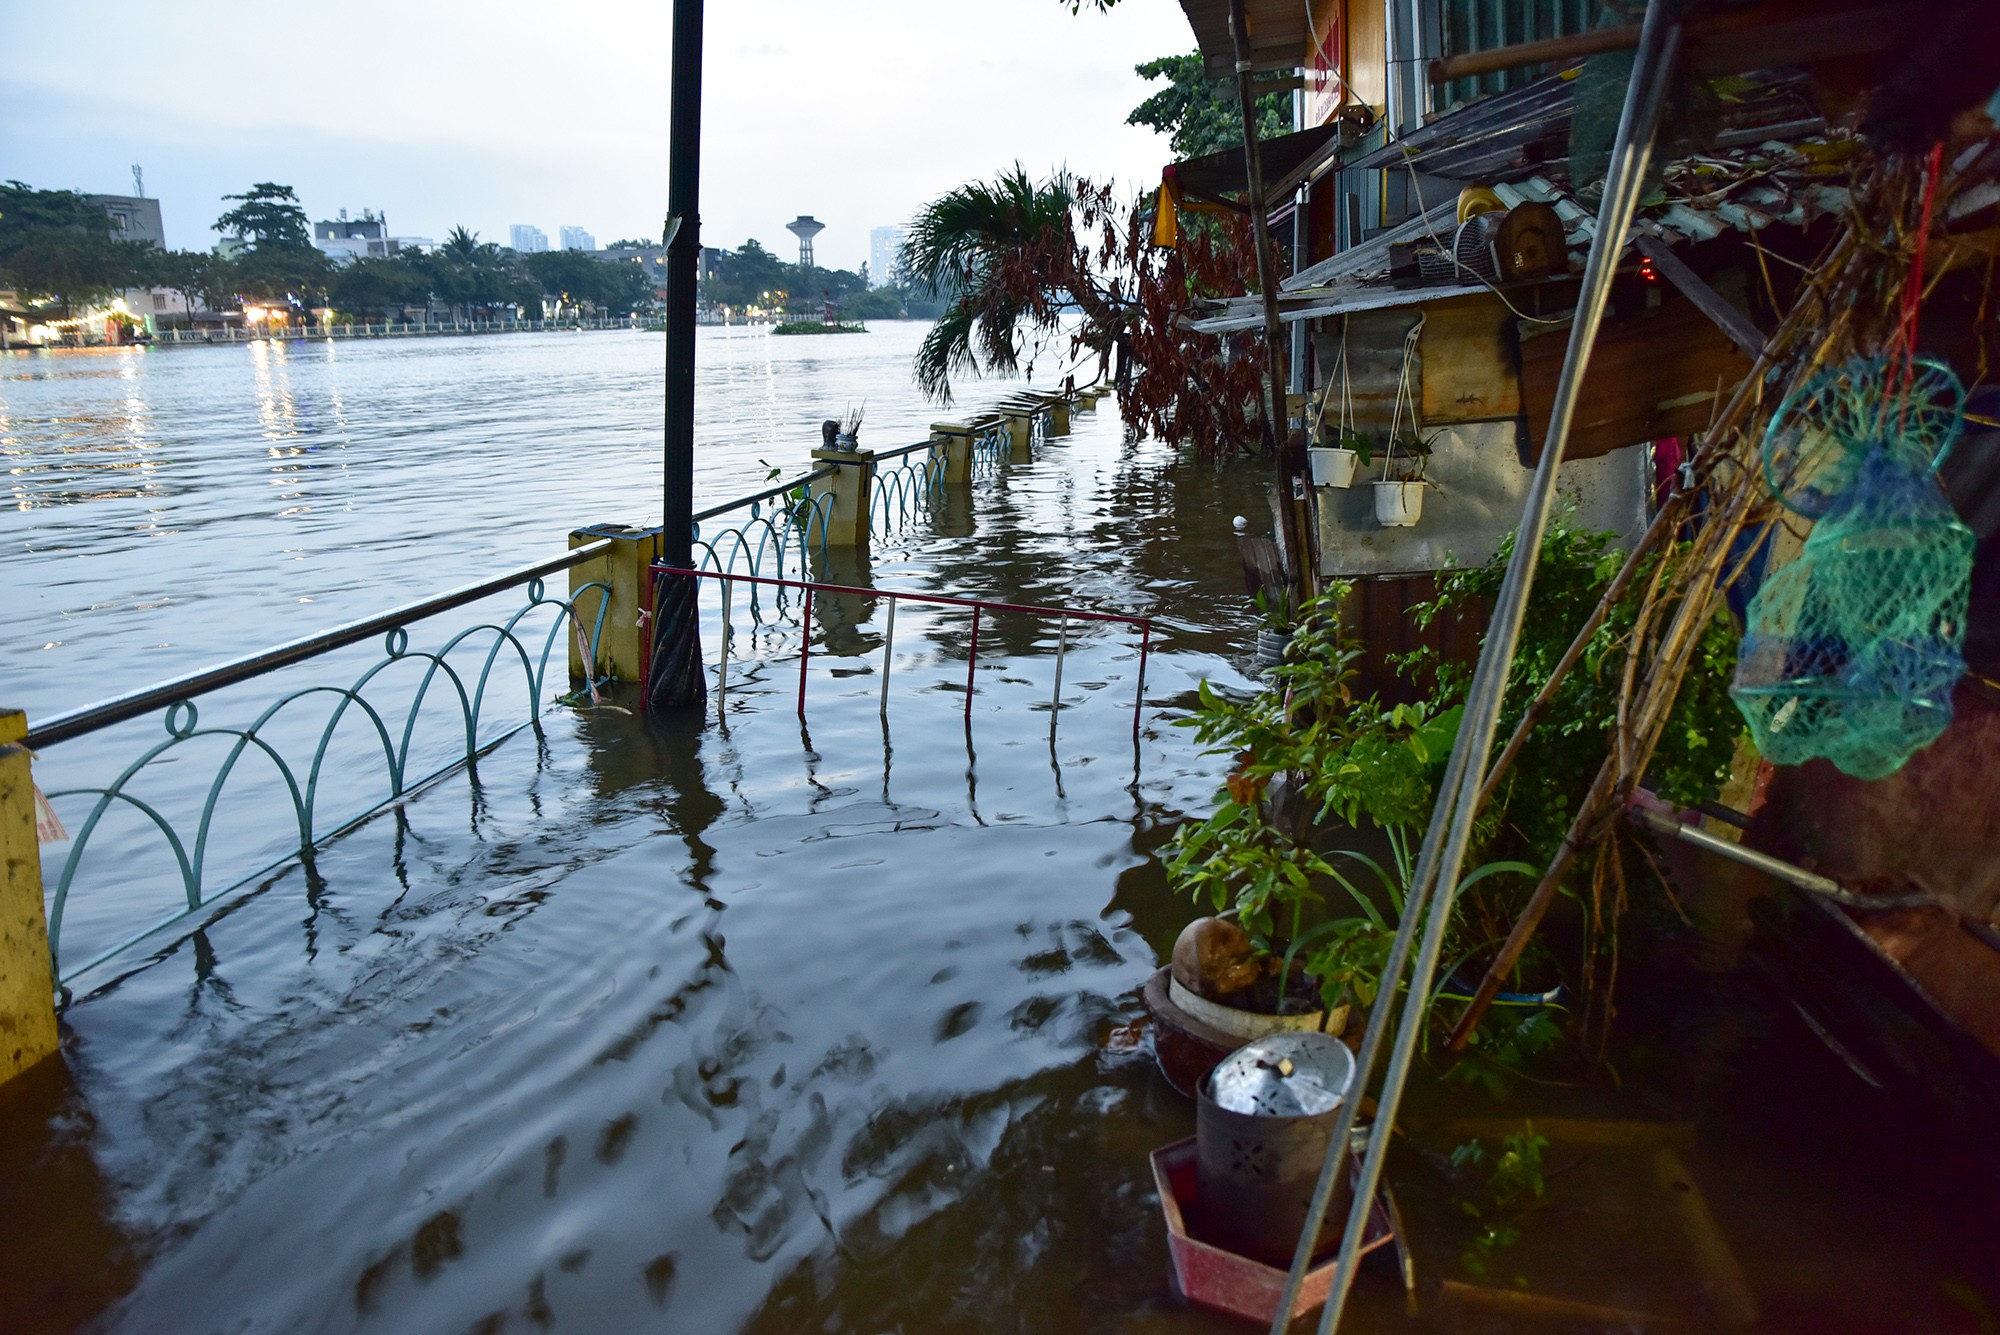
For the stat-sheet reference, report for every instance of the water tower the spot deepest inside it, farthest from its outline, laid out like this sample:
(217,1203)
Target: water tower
(805,227)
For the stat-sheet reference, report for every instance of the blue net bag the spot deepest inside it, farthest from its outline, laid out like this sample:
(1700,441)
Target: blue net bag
(1852,650)
(1850,653)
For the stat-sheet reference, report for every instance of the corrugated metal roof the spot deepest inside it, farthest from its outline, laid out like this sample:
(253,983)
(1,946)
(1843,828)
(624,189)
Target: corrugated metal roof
(1743,190)
(1372,256)
(1248,312)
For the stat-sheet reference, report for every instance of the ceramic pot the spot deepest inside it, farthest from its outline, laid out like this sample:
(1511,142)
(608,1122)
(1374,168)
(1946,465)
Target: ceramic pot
(1188,1043)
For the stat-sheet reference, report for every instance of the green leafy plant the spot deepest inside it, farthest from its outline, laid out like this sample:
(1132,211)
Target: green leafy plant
(1515,1187)
(1538,798)
(1361,443)
(1309,754)
(1409,458)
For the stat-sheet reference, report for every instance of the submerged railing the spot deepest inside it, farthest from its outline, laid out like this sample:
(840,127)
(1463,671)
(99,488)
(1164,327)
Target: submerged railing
(905,491)
(980,607)
(300,751)
(276,729)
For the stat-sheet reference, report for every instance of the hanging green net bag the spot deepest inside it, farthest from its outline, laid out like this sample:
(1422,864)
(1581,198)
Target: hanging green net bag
(1850,653)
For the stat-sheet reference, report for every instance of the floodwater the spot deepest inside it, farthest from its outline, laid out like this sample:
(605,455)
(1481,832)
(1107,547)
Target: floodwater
(768,1023)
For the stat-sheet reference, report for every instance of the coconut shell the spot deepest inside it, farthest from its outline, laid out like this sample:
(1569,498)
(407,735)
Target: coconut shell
(1214,958)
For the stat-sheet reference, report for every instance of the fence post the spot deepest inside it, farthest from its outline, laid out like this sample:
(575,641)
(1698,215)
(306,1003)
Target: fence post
(1059,416)
(27,992)
(1020,435)
(850,486)
(956,438)
(626,641)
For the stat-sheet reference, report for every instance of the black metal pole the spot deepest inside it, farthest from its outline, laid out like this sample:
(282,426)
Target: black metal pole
(676,680)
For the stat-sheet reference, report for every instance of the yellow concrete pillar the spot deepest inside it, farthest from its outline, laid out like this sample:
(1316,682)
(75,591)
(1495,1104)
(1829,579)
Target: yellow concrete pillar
(622,644)
(850,486)
(27,989)
(1020,435)
(955,442)
(1059,416)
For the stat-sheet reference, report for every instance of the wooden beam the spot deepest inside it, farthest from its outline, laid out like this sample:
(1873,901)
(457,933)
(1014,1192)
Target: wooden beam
(1793,33)
(1706,299)
(1547,51)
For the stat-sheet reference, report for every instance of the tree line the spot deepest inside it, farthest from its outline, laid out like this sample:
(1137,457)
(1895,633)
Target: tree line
(58,250)
(750,275)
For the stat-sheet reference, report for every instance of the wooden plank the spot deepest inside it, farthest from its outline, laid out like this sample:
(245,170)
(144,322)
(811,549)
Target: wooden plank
(1543,1309)
(1660,372)
(1707,300)
(1468,350)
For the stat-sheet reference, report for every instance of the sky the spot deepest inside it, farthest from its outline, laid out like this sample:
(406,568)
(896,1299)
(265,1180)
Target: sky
(444,112)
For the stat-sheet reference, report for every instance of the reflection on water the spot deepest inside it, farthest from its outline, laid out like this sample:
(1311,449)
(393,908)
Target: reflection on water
(774,1024)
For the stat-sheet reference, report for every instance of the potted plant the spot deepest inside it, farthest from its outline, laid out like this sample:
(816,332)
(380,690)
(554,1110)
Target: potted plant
(1334,465)
(1274,631)
(1399,494)
(1305,750)
(1298,933)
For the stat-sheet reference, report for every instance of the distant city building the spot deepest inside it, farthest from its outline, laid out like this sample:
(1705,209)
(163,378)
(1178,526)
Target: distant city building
(575,238)
(421,244)
(883,245)
(344,240)
(531,240)
(156,307)
(652,258)
(133,217)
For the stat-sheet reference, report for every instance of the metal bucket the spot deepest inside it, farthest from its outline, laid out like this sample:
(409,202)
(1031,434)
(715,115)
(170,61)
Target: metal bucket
(1263,1121)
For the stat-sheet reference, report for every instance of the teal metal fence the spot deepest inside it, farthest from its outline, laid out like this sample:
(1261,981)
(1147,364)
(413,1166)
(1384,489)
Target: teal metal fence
(494,677)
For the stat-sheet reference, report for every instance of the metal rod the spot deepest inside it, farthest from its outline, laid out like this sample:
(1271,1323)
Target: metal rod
(1062,645)
(1659,45)
(676,678)
(722,686)
(902,450)
(888,655)
(1661,823)
(1139,696)
(779,489)
(805,648)
(90,718)
(1267,282)
(972,663)
(943,600)
(683,262)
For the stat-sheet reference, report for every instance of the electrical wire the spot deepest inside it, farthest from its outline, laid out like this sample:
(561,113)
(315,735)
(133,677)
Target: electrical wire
(1424,213)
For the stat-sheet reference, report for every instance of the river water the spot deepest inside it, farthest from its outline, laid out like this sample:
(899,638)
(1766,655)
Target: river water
(770,1023)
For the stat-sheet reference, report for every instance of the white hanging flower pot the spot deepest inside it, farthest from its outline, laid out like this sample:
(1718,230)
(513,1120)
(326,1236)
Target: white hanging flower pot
(1332,467)
(1398,504)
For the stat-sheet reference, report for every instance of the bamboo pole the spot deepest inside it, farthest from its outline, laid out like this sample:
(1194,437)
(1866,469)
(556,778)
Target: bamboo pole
(1716,536)
(1432,890)
(1296,556)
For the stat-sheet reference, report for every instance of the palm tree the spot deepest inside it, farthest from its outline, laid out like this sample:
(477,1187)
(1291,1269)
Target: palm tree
(461,245)
(1012,255)
(1004,254)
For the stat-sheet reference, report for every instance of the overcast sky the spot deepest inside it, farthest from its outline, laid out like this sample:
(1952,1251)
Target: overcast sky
(495,112)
